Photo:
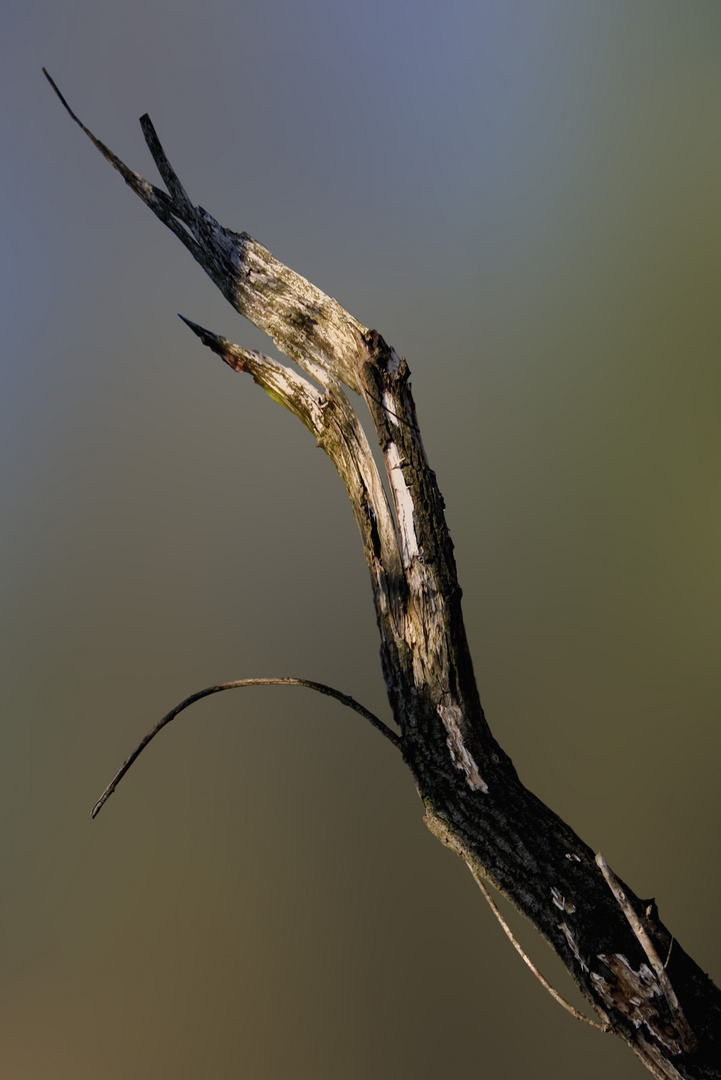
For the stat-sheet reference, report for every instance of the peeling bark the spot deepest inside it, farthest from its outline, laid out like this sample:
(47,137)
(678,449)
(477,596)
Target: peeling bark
(610,940)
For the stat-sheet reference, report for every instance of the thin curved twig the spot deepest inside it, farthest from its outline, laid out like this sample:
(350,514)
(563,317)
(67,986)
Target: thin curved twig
(321,688)
(605,1028)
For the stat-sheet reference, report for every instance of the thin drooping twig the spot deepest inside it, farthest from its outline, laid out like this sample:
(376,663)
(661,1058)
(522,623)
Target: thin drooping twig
(605,1028)
(321,688)
(684,1028)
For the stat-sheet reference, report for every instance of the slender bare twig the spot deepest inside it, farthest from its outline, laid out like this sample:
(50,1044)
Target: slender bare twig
(687,1036)
(605,1028)
(321,688)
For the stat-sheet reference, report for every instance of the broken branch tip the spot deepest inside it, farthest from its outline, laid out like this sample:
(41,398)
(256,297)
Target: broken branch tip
(195,327)
(54,85)
(213,341)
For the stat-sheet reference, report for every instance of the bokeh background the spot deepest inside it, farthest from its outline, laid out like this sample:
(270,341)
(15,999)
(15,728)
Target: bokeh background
(523,197)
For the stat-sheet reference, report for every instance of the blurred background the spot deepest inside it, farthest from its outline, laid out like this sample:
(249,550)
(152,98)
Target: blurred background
(522,197)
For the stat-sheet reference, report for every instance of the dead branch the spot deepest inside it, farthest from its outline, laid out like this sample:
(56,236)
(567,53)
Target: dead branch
(474,801)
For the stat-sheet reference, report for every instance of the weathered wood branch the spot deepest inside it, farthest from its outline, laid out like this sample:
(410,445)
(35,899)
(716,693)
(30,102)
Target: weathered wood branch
(609,939)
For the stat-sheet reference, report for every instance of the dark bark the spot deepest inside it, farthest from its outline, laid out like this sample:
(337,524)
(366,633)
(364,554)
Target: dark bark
(626,962)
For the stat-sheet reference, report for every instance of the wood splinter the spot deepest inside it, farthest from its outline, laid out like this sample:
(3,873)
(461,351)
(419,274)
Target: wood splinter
(686,1035)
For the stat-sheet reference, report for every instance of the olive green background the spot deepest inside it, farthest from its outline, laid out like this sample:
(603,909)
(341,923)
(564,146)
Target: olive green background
(523,198)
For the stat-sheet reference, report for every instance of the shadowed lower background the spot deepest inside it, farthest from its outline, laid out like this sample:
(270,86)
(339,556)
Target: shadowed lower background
(522,198)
